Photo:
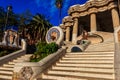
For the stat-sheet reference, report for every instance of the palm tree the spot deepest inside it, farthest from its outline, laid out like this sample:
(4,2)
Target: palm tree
(38,27)
(2,21)
(24,20)
(59,4)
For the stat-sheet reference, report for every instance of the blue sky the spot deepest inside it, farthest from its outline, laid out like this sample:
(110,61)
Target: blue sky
(46,7)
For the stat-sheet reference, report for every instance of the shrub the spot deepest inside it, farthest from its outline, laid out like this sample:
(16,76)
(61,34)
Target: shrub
(6,50)
(43,50)
(3,53)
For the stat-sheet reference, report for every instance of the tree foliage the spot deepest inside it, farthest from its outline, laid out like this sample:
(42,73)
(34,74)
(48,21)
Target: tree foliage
(33,28)
(38,27)
(43,50)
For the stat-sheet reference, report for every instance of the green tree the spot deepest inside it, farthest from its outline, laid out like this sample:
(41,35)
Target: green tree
(24,20)
(38,27)
(2,21)
(7,18)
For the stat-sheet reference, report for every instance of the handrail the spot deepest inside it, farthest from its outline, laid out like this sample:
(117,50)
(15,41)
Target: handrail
(14,55)
(94,34)
(37,68)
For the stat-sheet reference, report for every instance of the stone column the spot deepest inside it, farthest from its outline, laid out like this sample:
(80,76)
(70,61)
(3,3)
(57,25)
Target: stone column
(62,26)
(68,23)
(68,33)
(116,26)
(75,31)
(117,53)
(115,18)
(93,22)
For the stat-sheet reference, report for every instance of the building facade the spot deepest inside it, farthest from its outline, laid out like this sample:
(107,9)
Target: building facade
(94,15)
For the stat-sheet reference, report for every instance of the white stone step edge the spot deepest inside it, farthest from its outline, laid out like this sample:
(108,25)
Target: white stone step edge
(5,77)
(53,77)
(91,52)
(65,61)
(6,68)
(86,65)
(86,58)
(6,72)
(80,74)
(83,69)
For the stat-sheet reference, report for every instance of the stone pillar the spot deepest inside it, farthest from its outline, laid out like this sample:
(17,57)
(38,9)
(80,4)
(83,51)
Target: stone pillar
(75,31)
(117,53)
(115,18)
(68,33)
(68,22)
(62,26)
(116,26)
(93,22)
(5,41)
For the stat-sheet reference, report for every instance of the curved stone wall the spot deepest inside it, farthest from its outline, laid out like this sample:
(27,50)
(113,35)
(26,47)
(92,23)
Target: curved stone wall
(92,7)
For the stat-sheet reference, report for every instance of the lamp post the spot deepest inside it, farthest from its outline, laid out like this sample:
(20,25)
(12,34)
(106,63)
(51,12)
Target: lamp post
(9,8)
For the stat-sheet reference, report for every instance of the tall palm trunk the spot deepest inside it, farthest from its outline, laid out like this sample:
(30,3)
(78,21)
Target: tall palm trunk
(60,14)
(59,4)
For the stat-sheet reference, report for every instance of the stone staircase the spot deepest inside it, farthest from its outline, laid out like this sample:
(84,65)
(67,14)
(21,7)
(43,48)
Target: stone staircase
(96,63)
(6,70)
(105,46)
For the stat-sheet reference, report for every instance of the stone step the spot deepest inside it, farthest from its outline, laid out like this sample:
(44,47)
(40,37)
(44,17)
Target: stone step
(6,72)
(8,65)
(82,74)
(99,58)
(20,61)
(89,70)
(85,65)
(102,45)
(98,50)
(108,54)
(86,62)
(101,48)
(6,68)
(55,77)
(5,77)
(101,52)
(26,56)
(89,56)
(11,63)
(26,59)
